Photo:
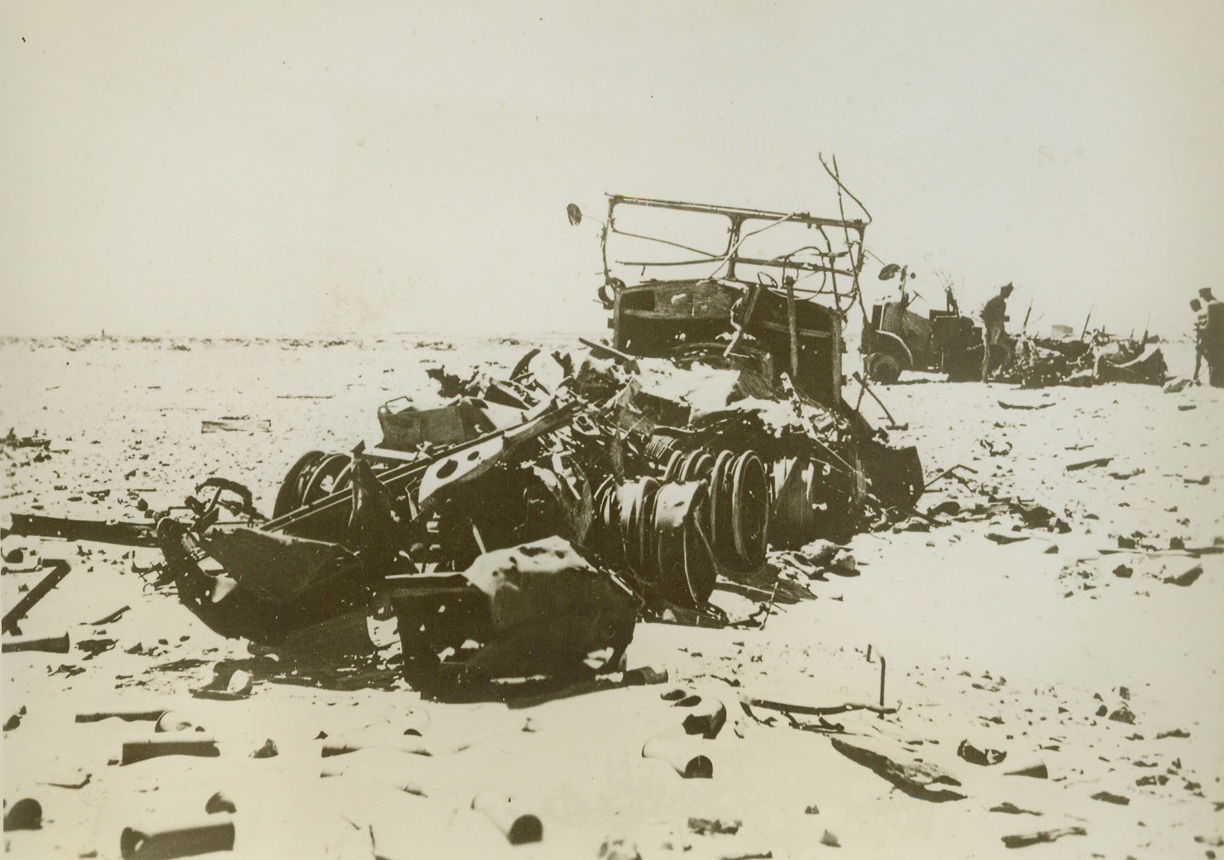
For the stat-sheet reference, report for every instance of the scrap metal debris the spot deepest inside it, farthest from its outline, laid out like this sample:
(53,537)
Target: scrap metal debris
(236,424)
(1023,840)
(895,338)
(13,441)
(521,528)
(1102,358)
(901,767)
(58,569)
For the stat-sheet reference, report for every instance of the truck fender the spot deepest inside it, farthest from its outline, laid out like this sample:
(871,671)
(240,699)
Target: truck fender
(886,341)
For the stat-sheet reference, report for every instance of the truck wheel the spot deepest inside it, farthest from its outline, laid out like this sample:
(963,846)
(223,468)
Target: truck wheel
(883,368)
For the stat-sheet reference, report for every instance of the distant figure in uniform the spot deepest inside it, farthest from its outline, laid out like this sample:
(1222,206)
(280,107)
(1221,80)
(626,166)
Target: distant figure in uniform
(1200,328)
(994,315)
(1213,338)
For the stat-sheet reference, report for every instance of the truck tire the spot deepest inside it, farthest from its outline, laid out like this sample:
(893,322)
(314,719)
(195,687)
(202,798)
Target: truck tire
(883,368)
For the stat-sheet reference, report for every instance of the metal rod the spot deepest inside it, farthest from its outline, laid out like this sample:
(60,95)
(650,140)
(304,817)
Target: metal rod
(730,211)
(793,325)
(769,608)
(599,347)
(841,211)
(883,672)
(775,262)
(947,472)
(814,710)
(53,644)
(122,534)
(59,569)
(126,716)
(859,379)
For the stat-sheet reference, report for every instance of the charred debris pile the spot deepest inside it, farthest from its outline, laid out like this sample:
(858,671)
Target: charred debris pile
(522,529)
(895,338)
(1097,359)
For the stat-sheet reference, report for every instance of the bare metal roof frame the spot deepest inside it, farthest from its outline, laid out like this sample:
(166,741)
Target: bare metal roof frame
(738,217)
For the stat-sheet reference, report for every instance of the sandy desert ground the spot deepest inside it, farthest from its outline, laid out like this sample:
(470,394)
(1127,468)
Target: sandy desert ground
(1092,657)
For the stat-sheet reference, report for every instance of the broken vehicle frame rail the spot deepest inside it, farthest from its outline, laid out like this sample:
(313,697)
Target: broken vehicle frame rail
(881,710)
(401,476)
(145,535)
(66,528)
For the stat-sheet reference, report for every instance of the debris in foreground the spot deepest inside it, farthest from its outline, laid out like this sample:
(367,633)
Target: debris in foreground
(1101,358)
(906,771)
(211,835)
(1023,840)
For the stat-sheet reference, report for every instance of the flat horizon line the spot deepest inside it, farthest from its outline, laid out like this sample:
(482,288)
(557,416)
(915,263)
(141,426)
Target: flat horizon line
(304,336)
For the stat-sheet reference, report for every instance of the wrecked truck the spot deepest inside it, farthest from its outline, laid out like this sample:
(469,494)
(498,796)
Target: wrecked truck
(765,295)
(521,529)
(896,338)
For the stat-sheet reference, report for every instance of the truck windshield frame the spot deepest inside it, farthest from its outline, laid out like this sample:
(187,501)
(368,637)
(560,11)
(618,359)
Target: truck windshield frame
(837,249)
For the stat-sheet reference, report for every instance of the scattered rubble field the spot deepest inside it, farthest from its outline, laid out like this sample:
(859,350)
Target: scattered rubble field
(1029,664)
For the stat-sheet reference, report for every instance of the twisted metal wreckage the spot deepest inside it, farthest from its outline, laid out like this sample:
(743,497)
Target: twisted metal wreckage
(524,528)
(895,338)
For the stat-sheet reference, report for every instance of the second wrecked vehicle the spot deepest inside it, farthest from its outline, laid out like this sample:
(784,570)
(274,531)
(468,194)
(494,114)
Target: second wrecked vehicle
(896,338)
(1099,358)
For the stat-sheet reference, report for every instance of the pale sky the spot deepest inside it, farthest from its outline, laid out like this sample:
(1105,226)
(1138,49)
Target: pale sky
(211,168)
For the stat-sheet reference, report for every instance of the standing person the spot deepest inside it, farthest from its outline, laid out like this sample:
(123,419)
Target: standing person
(1213,338)
(1200,326)
(994,315)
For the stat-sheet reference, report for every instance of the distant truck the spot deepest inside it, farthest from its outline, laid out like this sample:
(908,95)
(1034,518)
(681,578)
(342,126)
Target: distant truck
(896,339)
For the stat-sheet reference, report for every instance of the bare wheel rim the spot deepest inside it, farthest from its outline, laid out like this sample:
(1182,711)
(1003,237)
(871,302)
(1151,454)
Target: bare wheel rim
(696,462)
(717,521)
(674,462)
(322,480)
(646,530)
(290,496)
(749,508)
(720,491)
(684,560)
(700,567)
